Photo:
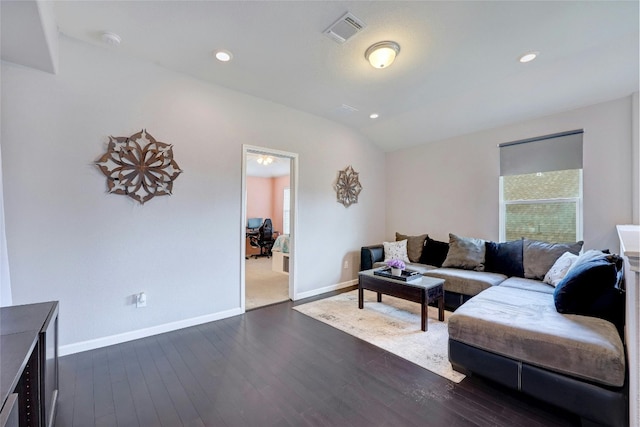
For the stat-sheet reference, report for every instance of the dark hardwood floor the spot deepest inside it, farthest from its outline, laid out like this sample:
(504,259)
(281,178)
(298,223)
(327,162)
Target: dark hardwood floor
(275,367)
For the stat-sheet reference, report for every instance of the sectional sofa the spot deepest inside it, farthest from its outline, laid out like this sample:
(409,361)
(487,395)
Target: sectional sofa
(533,316)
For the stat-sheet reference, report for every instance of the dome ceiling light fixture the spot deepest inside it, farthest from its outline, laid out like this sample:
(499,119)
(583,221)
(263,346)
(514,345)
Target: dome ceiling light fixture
(382,54)
(265,160)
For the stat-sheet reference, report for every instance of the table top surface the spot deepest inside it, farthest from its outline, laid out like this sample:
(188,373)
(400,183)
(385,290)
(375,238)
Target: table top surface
(423,282)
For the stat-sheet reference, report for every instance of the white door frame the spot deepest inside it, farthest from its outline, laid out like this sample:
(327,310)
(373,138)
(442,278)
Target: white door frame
(293,219)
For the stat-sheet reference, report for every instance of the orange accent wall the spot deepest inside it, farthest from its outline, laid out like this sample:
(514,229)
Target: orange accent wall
(264,200)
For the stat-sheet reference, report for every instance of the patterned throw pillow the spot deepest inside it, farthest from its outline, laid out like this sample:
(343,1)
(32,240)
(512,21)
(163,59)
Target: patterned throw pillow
(395,250)
(560,268)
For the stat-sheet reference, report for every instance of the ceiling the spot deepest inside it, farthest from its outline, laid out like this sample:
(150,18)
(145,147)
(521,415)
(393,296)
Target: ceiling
(457,71)
(280,166)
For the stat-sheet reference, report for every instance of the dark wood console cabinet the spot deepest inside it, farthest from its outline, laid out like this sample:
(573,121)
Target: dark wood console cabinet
(29,365)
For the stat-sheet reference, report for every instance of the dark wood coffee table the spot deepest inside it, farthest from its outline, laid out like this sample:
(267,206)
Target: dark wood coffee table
(423,291)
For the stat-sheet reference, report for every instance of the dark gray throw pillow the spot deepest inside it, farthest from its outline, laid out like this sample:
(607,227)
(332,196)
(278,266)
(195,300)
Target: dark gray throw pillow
(434,252)
(538,257)
(504,258)
(414,245)
(465,252)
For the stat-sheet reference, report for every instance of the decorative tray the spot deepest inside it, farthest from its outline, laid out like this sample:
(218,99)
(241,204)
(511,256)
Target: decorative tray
(406,275)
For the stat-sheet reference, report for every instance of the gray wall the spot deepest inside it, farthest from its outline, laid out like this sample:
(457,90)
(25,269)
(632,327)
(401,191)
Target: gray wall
(451,186)
(70,241)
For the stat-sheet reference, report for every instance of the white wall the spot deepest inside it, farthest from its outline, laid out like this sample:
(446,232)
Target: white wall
(5,277)
(70,241)
(452,185)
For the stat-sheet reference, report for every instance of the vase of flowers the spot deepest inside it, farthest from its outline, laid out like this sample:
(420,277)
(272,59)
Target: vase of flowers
(396,266)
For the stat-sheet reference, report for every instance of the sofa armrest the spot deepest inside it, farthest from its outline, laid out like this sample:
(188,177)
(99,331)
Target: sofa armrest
(370,255)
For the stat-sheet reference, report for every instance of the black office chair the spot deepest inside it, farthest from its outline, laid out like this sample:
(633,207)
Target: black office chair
(264,239)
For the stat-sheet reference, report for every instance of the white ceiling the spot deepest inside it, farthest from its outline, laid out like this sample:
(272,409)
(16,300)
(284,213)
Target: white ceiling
(281,166)
(457,71)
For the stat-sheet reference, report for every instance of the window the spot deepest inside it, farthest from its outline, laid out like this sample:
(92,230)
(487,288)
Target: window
(286,210)
(541,188)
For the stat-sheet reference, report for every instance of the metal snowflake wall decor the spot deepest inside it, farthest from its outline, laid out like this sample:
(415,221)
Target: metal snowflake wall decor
(348,187)
(138,166)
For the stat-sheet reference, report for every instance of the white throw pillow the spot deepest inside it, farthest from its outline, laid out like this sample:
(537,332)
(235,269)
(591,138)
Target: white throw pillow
(560,268)
(395,250)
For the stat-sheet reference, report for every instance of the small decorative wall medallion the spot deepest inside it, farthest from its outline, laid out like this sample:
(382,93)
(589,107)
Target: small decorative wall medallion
(348,187)
(138,166)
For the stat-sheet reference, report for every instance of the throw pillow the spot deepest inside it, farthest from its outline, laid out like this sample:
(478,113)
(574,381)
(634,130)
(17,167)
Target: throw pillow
(504,258)
(395,250)
(587,256)
(560,268)
(590,289)
(434,252)
(414,245)
(538,257)
(465,252)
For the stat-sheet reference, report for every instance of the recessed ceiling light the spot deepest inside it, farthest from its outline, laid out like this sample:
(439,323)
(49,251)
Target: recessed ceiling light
(374,116)
(528,57)
(223,55)
(111,39)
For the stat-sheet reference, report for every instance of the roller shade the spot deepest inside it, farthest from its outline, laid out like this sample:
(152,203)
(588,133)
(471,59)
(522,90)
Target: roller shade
(560,151)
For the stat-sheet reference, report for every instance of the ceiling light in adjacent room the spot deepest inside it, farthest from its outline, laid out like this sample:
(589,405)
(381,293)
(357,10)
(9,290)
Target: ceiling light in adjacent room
(223,55)
(265,160)
(382,54)
(528,57)
(374,116)
(111,39)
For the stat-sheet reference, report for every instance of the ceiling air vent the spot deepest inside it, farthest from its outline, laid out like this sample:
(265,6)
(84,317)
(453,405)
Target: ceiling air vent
(344,28)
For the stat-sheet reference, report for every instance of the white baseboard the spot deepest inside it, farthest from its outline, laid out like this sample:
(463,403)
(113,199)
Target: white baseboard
(319,291)
(146,332)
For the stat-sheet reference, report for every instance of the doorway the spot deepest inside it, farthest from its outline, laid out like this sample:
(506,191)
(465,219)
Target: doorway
(269,194)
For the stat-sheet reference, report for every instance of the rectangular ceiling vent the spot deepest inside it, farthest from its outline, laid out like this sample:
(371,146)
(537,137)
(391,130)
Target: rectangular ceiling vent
(344,28)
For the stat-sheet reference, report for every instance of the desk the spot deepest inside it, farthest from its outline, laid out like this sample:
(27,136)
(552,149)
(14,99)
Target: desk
(29,364)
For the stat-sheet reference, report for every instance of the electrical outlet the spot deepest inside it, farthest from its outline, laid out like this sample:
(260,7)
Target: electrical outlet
(141,300)
(346,264)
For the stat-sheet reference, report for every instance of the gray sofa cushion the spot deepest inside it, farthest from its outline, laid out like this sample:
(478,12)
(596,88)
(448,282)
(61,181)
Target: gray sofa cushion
(528,284)
(525,326)
(538,257)
(465,252)
(467,282)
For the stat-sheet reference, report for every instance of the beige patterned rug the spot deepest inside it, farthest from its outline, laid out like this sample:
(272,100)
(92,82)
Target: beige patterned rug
(393,325)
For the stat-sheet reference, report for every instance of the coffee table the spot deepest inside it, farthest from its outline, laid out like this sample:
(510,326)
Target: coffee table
(423,291)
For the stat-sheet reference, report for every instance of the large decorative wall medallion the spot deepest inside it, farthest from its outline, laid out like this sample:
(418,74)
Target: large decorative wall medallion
(348,187)
(138,166)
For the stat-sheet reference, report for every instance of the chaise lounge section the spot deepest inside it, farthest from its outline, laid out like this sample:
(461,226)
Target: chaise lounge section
(560,341)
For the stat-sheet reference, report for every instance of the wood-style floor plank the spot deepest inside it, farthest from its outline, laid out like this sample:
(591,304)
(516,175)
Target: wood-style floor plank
(276,367)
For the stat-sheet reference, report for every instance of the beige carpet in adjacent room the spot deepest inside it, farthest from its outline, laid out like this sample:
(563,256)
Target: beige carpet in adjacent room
(393,325)
(263,285)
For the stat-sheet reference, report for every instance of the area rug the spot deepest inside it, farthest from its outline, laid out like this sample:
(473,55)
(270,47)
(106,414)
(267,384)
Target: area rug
(393,325)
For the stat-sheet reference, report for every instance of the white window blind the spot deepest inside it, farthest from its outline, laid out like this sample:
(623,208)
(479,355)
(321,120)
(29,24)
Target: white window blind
(541,188)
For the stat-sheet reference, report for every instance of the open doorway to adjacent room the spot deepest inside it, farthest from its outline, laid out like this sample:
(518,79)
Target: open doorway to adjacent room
(268,190)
